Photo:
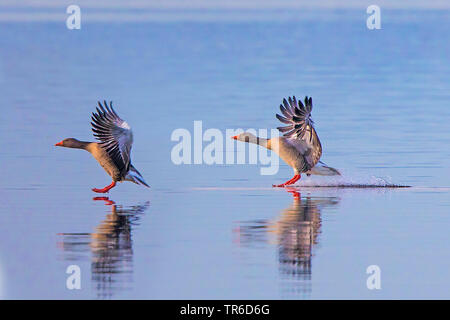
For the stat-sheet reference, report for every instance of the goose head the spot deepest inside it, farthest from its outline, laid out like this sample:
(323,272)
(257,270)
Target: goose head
(246,137)
(70,143)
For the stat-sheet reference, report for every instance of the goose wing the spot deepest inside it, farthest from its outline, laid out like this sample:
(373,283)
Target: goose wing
(114,134)
(299,128)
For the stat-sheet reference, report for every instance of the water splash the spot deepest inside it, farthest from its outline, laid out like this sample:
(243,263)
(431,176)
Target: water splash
(348,182)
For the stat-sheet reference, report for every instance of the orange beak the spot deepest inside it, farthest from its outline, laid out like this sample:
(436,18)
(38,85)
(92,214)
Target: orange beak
(234,137)
(59,144)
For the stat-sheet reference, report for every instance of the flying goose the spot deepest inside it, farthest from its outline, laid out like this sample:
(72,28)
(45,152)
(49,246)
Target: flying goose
(113,149)
(299,146)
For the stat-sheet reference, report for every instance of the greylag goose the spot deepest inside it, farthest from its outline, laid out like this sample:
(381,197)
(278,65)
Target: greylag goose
(299,146)
(113,149)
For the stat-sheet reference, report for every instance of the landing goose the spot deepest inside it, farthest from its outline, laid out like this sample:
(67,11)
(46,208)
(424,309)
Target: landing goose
(299,146)
(113,149)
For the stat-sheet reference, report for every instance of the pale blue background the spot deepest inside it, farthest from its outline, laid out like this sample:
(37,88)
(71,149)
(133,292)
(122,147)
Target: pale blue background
(381,107)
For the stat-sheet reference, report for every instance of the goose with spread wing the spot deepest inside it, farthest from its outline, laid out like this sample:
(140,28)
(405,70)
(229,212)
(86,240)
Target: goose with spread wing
(113,149)
(299,146)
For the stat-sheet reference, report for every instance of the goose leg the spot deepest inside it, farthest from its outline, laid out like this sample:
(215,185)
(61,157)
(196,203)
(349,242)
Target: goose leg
(294,192)
(105,189)
(292,181)
(106,199)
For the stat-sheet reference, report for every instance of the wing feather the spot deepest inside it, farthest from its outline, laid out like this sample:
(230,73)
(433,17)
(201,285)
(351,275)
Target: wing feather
(285,112)
(114,135)
(300,128)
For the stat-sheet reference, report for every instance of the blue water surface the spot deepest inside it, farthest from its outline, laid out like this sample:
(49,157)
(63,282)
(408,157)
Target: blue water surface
(381,108)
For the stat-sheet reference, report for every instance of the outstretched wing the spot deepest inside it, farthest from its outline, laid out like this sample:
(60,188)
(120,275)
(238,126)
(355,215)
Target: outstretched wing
(299,128)
(114,134)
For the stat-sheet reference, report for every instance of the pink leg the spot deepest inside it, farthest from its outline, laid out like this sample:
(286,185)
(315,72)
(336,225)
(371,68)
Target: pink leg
(105,189)
(292,181)
(106,199)
(294,192)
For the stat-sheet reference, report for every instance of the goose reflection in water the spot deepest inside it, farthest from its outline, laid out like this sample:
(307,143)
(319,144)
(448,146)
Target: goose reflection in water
(295,231)
(110,248)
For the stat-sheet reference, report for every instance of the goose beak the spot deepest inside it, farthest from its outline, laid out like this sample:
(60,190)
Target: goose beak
(234,137)
(59,144)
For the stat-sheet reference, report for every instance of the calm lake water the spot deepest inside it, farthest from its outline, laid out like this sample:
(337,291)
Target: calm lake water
(381,108)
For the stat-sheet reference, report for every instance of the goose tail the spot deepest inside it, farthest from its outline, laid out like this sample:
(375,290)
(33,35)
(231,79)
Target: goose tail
(135,176)
(321,169)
